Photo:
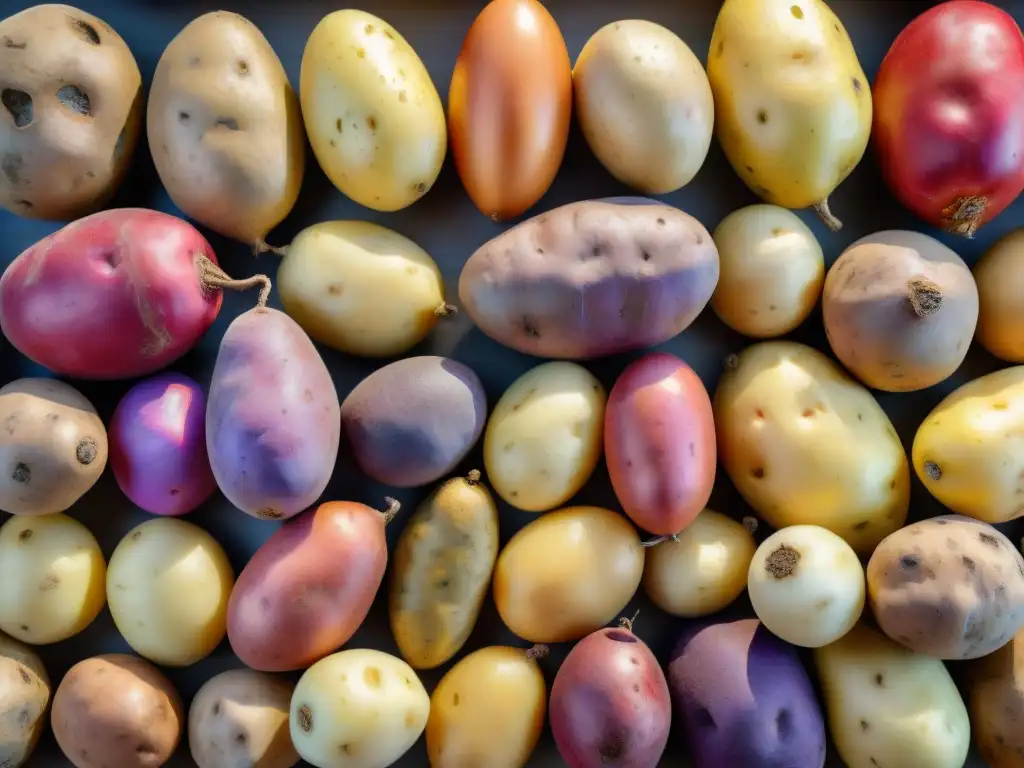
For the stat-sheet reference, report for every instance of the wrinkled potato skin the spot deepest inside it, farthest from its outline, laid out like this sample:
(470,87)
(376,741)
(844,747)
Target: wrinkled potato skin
(950,587)
(24,700)
(1000,279)
(996,701)
(61,165)
(224,127)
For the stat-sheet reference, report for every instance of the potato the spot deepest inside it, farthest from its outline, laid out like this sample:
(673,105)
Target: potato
(51,578)
(644,103)
(591,279)
(950,587)
(361,288)
(544,437)
(772,270)
(168,585)
(372,113)
(358,709)
(999,276)
(996,701)
(224,128)
(805,444)
(73,93)
(567,574)
(703,569)
(900,309)
(53,446)
(116,710)
(24,700)
(442,571)
(240,718)
(488,710)
(889,706)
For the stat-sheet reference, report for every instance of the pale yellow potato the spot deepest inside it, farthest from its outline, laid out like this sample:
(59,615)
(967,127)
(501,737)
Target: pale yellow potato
(24,700)
(996,702)
(487,711)
(359,708)
(373,116)
(168,585)
(771,271)
(544,437)
(51,578)
(806,444)
(888,706)
(567,574)
(999,276)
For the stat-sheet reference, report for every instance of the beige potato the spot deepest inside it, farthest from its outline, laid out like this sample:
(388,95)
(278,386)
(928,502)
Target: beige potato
(996,701)
(1000,279)
(24,701)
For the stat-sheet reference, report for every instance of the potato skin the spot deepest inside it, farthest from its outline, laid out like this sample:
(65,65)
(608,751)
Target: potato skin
(56,164)
(591,279)
(996,701)
(24,701)
(999,276)
(950,587)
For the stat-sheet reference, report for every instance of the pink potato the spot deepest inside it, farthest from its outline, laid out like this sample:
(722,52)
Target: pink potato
(158,445)
(659,438)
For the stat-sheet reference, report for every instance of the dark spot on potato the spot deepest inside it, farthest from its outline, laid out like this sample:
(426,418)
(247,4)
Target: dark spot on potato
(265,603)
(757,472)
(305,719)
(333,143)
(11,164)
(227,122)
(861,525)
(864,726)
(420,187)
(909,562)
(529,329)
(25,535)
(645,256)
(762,116)
(782,561)
(24,203)
(721,47)
(269,513)
(932,470)
(23,673)
(9,42)
(184,117)
(335,290)
(612,747)
(372,677)
(85,30)
(241,738)
(703,718)
(339,125)
(783,724)
(371,122)
(660,221)
(880,680)
(19,104)
(856,84)
(873,761)
(455,700)
(24,628)
(307,395)
(989,539)
(21,474)
(216,708)
(75,99)
(514,494)
(50,582)
(968,563)
(797,11)
(243,68)
(85,451)
(700,239)
(136,536)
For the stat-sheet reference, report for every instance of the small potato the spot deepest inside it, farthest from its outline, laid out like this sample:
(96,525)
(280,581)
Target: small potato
(51,578)
(358,709)
(772,270)
(24,700)
(703,570)
(996,685)
(806,585)
(544,437)
(361,288)
(1000,279)
(567,574)
(240,718)
(167,587)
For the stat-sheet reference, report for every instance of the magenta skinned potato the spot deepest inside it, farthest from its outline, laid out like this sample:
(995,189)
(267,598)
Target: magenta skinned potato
(272,420)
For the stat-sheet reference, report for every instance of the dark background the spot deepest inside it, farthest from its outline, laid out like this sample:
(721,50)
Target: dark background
(447,225)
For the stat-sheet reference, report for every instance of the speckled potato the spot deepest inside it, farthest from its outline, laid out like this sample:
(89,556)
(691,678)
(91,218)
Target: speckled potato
(996,701)
(950,587)
(806,444)
(24,701)
(999,276)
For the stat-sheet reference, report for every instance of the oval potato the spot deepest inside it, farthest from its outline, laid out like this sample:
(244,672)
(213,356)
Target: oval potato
(999,276)
(24,701)
(996,703)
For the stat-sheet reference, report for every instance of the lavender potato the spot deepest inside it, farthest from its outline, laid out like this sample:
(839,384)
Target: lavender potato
(591,279)
(272,420)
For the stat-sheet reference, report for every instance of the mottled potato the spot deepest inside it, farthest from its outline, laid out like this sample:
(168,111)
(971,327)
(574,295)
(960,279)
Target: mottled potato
(996,701)
(950,587)
(999,276)
(24,700)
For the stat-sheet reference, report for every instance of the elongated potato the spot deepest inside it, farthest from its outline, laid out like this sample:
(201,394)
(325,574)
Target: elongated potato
(996,685)
(24,701)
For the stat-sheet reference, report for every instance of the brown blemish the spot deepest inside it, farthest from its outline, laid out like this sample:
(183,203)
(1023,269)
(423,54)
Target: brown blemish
(85,451)
(305,719)
(85,30)
(21,474)
(25,535)
(933,470)
(782,561)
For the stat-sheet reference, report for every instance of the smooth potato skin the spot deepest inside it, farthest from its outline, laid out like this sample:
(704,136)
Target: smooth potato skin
(996,703)
(24,700)
(999,276)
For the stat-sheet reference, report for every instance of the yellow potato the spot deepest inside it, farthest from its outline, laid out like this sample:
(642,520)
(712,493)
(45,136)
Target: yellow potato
(1000,279)
(996,701)
(372,113)
(771,271)
(51,578)
(361,288)
(806,444)
(544,437)
(792,102)
(24,700)
(888,706)
(488,710)
(567,574)
(167,587)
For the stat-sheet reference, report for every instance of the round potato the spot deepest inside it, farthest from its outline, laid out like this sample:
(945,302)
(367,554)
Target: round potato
(51,578)
(999,276)
(168,586)
(950,587)
(996,685)
(544,437)
(72,109)
(24,700)
(240,718)
(53,446)
(361,288)
(772,270)
(806,585)
(224,128)
(644,103)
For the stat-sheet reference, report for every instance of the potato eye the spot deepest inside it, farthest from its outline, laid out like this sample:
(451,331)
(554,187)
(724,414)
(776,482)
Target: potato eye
(19,104)
(75,99)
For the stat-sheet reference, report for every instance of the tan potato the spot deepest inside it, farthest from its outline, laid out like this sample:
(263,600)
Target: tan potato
(996,701)
(1000,278)
(72,109)
(24,700)
(53,446)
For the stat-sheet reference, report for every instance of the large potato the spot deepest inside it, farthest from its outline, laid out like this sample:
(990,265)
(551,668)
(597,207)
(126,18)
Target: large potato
(224,127)
(544,437)
(72,98)
(51,578)
(592,278)
(996,701)
(568,573)
(888,706)
(806,444)
(24,701)
(53,446)
(372,113)
(950,587)
(999,276)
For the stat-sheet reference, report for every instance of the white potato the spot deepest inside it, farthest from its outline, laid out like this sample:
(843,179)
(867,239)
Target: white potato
(24,700)
(51,578)
(167,587)
(544,438)
(359,708)
(889,706)
(806,585)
